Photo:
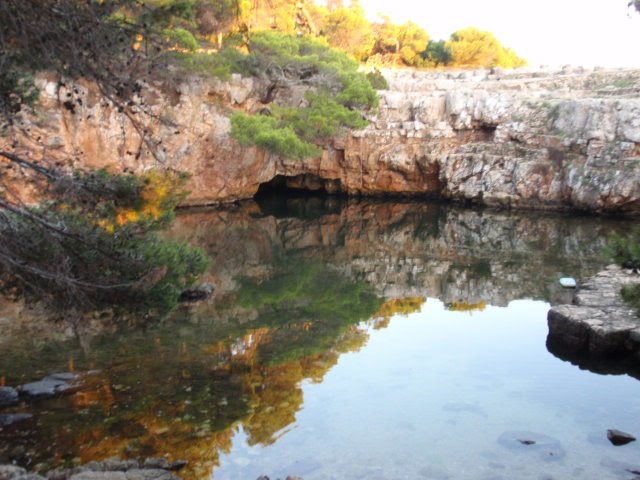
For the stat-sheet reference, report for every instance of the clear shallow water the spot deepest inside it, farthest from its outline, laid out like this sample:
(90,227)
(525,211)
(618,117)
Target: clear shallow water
(357,340)
(430,395)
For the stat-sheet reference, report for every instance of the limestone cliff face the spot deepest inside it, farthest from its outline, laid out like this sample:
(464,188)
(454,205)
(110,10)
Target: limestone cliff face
(526,139)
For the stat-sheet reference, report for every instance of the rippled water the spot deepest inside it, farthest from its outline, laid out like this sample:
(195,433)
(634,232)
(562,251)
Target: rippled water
(344,340)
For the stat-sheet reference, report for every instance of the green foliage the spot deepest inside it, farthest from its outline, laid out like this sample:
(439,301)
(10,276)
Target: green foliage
(17,88)
(631,295)
(437,54)
(349,30)
(625,251)
(337,93)
(96,244)
(472,47)
(268,133)
(182,38)
(377,80)
(403,44)
(413,40)
(323,117)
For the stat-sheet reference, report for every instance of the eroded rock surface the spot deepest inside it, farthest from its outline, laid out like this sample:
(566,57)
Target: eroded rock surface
(527,138)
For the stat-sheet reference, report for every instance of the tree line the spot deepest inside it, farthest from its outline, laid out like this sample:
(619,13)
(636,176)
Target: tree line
(208,23)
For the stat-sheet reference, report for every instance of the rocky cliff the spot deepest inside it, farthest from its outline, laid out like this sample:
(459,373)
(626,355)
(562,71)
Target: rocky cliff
(526,139)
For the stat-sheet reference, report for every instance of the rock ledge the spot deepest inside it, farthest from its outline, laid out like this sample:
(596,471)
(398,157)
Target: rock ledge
(599,324)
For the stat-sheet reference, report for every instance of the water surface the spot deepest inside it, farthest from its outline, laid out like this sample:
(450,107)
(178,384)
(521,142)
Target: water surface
(344,340)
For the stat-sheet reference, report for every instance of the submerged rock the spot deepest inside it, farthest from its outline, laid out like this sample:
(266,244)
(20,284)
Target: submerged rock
(620,468)
(8,396)
(47,387)
(546,447)
(618,437)
(9,472)
(11,418)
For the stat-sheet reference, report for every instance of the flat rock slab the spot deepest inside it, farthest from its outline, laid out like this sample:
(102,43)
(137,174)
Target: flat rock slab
(599,323)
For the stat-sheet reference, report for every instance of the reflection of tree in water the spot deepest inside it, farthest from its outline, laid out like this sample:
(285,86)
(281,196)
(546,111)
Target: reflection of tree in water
(312,307)
(184,390)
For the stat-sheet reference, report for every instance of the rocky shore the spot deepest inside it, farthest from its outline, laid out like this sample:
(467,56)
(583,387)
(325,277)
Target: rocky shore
(598,331)
(112,469)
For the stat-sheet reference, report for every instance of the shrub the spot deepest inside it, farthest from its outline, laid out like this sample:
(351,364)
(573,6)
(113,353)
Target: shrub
(265,132)
(337,94)
(96,244)
(377,80)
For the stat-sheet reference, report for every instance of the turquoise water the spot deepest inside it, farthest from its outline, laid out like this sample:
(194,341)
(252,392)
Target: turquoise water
(344,340)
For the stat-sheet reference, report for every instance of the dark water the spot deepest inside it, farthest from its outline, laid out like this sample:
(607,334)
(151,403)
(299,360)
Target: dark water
(344,340)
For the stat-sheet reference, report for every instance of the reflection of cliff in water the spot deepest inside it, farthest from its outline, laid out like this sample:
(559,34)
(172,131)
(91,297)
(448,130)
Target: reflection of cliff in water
(405,249)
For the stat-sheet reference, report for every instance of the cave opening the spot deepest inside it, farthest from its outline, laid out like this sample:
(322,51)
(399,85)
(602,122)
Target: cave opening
(300,185)
(305,196)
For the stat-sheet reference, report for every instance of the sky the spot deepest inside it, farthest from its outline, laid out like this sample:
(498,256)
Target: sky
(545,32)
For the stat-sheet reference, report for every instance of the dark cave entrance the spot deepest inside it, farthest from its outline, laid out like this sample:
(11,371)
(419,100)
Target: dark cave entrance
(303,196)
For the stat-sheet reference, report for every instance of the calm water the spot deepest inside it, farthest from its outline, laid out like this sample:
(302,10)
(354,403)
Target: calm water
(344,340)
